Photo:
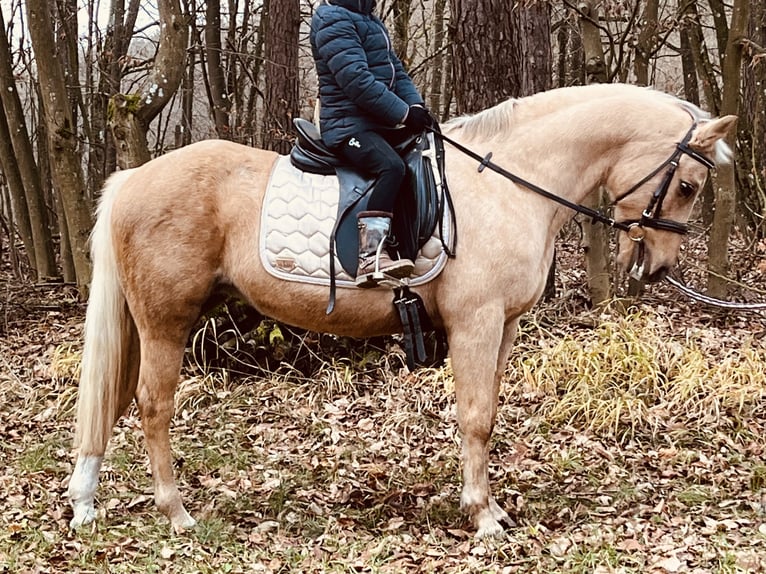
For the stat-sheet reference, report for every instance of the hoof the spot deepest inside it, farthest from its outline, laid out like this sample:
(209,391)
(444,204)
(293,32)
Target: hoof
(490,528)
(488,521)
(183,522)
(499,514)
(83,515)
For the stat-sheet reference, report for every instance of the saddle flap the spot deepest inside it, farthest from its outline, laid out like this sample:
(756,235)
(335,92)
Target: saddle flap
(416,212)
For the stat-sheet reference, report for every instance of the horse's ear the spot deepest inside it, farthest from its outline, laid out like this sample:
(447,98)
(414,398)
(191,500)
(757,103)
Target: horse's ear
(711,131)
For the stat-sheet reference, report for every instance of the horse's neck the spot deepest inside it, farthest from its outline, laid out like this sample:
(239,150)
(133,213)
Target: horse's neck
(569,159)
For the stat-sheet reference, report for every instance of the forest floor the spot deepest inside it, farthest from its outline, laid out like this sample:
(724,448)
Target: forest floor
(627,441)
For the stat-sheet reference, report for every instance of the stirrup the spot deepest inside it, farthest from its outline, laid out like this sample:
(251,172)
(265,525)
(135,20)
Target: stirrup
(380,277)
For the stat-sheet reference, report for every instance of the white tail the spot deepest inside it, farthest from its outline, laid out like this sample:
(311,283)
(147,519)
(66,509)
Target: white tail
(108,328)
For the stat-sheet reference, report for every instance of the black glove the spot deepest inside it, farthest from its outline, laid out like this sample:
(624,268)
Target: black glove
(418,119)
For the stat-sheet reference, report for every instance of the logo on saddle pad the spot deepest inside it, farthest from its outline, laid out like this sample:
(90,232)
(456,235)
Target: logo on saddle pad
(353,142)
(285,264)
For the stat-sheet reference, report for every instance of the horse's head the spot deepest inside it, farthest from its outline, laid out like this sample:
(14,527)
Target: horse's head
(654,197)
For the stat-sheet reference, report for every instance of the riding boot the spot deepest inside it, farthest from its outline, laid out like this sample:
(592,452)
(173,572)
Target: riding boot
(374,262)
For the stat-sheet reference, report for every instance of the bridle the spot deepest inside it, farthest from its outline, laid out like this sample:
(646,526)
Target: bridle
(635,229)
(650,217)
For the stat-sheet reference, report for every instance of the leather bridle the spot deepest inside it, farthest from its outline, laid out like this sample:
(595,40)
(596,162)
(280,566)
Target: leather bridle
(650,217)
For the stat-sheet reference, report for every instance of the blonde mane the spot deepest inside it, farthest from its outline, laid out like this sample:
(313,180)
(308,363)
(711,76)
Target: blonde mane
(501,118)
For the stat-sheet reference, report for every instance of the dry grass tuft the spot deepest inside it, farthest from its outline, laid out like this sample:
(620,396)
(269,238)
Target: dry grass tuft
(632,375)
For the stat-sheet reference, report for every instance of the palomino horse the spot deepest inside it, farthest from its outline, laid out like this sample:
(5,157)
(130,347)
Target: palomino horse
(172,231)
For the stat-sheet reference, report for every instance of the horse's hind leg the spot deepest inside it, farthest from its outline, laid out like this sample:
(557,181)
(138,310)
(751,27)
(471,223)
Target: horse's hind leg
(479,351)
(84,480)
(161,357)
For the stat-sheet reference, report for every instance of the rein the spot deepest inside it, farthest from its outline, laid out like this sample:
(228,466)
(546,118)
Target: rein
(633,228)
(484,162)
(701,297)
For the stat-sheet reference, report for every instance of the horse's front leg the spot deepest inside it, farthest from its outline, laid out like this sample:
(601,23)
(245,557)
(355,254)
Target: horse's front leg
(479,352)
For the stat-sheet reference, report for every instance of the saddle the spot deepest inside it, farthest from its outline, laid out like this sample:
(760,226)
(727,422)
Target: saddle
(419,209)
(419,206)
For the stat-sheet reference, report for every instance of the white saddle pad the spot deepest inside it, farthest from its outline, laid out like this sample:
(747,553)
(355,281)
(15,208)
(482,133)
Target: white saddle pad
(297,219)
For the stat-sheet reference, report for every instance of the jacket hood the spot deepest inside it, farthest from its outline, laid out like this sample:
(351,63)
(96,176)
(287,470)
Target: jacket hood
(360,6)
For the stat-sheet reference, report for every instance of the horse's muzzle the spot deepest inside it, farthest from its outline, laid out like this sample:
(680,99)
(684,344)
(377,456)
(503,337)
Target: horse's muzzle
(639,267)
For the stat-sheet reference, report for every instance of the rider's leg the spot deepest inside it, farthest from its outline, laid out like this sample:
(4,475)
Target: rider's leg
(373,155)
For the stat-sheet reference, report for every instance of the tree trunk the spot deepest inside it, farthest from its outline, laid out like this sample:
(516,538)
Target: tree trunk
(402,15)
(754,118)
(45,263)
(691,87)
(532,48)
(562,41)
(256,72)
(16,189)
(187,100)
(283,18)
(700,54)
(67,45)
(66,261)
(596,239)
(437,77)
(726,197)
(593,51)
(63,144)
(646,42)
(130,115)
(483,53)
(220,102)
(103,157)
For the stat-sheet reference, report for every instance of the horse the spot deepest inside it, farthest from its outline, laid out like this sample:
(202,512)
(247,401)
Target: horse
(171,233)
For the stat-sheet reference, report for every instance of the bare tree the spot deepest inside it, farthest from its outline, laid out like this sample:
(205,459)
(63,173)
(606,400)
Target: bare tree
(18,200)
(482,53)
(219,98)
(131,114)
(105,68)
(531,47)
(646,42)
(402,25)
(726,197)
(42,255)
(753,119)
(63,143)
(437,76)
(281,71)
(595,237)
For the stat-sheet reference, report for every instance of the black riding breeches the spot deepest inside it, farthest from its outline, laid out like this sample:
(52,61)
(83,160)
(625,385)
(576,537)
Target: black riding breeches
(373,156)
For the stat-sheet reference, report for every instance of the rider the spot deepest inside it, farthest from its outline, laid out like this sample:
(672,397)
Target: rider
(364,91)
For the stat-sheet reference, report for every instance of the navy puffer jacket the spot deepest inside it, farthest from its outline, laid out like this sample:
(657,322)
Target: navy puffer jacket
(362,83)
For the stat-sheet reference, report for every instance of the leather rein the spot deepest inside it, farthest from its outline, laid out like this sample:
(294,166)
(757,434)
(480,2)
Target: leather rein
(634,228)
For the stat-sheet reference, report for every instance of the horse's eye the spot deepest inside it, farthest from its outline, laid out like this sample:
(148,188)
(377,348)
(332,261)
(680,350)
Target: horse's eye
(687,189)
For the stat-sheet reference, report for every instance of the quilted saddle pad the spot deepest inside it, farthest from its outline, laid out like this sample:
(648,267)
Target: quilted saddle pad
(297,220)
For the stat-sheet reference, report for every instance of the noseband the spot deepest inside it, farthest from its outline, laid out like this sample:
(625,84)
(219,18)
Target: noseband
(650,217)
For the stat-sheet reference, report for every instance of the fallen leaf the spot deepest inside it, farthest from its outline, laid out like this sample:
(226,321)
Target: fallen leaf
(671,564)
